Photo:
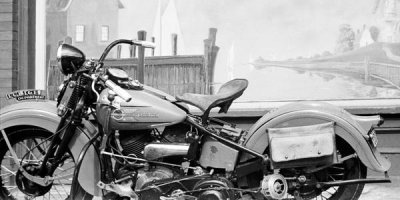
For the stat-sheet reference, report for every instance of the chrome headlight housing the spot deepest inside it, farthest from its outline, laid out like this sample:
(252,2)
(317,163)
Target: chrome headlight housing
(69,59)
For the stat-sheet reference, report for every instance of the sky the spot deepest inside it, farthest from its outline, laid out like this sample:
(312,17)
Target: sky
(272,29)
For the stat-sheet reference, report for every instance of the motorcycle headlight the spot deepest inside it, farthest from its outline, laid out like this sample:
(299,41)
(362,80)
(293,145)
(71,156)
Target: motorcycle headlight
(69,58)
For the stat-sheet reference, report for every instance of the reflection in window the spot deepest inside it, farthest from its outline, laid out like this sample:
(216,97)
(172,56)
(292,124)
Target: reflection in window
(104,33)
(79,33)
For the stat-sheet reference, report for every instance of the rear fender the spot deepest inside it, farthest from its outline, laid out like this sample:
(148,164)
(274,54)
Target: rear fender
(311,113)
(43,115)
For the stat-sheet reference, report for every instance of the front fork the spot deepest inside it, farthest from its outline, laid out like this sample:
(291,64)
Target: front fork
(55,153)
(58,146)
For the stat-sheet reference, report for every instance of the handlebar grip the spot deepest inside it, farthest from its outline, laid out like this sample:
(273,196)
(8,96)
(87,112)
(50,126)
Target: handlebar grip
(118,90)
(143,43)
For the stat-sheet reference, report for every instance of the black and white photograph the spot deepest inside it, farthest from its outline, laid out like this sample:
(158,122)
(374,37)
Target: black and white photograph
(199,100)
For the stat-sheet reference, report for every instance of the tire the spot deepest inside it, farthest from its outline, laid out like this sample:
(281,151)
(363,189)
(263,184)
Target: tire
(351,169)
(348,170)
(23,140)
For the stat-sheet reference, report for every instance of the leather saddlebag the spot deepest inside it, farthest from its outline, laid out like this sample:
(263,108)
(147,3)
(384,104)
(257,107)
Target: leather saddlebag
(302,146)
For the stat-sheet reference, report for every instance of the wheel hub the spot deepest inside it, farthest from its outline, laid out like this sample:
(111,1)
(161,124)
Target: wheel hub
(27,186)
(274,186)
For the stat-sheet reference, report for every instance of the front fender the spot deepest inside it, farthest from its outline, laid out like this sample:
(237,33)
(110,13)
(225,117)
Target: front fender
(311,113)
(43,114)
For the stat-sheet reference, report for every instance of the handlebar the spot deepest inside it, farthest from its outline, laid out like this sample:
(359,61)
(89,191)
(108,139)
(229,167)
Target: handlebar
(112,86)
(117,89)
(145,44)
(141,43)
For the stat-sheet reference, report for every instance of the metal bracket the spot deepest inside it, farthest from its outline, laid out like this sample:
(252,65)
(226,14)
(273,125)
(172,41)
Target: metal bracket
(123,189)
(38,180)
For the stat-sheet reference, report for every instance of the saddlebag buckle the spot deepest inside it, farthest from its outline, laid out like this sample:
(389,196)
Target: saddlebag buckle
(302,146)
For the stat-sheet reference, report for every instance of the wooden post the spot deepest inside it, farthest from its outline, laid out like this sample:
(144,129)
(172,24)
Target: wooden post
(132,51)
(204,74)
(174,40)
(366,69)
(153,39)
(210,56)
(119,49)
(211,67)
(68,40)
(212,35)
(140,69)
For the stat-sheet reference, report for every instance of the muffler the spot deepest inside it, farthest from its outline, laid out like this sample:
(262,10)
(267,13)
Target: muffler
(155,151)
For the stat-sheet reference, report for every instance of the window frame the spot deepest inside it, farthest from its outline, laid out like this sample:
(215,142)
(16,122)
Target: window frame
(76,33)
(101,33)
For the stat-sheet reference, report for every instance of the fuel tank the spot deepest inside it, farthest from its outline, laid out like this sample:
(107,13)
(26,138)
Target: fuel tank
(145,111)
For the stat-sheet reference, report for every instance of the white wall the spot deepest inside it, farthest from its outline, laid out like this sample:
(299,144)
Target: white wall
(40,54)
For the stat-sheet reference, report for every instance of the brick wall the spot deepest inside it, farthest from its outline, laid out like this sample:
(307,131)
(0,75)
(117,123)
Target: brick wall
(8,46)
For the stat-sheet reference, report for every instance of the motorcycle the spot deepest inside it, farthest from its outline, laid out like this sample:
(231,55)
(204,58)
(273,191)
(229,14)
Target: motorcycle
(110,136)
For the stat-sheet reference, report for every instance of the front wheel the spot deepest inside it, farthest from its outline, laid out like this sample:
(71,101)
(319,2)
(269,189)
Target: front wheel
(30,145)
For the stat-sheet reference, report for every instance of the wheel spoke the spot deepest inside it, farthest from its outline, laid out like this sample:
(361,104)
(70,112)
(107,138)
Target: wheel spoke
(5,168)
(6,175)
(30,149)
(30,152)
(62,186)
(55,188)
(40,149)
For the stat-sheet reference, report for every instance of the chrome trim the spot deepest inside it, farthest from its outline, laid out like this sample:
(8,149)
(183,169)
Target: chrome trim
(155,151)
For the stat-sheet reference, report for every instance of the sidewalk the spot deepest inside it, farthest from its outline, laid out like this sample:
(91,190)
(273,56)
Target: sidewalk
(382,191)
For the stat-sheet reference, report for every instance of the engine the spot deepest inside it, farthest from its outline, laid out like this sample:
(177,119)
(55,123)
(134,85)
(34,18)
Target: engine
(144,177)
(133,144)
(158,181)
(188,187)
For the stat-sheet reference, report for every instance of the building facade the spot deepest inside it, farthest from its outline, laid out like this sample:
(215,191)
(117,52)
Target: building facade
(17,45)
(90,25)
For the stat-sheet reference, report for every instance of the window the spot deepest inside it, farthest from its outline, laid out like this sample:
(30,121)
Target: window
(80,33)
(104,33)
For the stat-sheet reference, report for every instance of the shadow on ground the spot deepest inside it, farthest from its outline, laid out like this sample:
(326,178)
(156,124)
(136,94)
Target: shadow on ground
(383,191)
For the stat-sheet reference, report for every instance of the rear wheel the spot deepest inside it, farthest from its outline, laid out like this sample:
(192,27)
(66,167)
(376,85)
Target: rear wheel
(30,145)
(348,170)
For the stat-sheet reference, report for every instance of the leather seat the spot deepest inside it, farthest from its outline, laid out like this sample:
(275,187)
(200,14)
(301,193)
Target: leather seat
(223,98)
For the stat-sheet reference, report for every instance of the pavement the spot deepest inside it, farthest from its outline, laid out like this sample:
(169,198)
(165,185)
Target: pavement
(379,191)
(382,191)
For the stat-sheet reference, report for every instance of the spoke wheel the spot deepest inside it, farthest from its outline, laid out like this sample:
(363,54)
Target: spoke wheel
(30,145)
(348,170)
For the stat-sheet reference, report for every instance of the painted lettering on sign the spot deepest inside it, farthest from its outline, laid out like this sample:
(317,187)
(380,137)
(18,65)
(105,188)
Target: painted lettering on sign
(26,95)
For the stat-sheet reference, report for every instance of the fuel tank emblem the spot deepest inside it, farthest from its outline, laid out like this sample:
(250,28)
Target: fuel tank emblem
(117,114)
(132,115)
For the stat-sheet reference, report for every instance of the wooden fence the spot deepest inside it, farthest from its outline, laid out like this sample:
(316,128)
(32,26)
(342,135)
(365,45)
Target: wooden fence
(172,74)
(175,75)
